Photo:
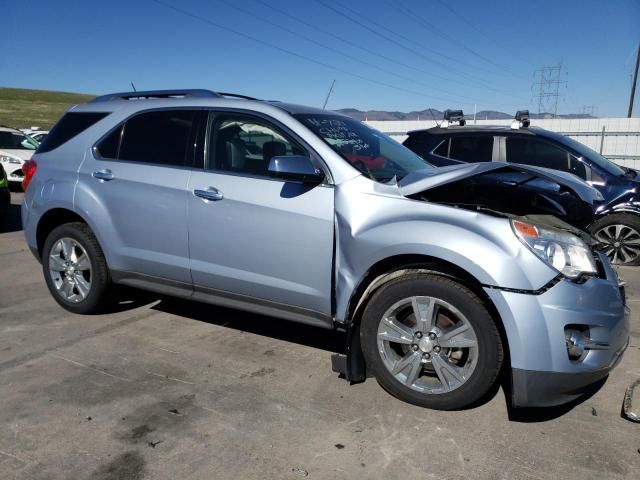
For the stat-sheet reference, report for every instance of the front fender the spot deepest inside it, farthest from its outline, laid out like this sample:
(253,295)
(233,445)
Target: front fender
(373,223)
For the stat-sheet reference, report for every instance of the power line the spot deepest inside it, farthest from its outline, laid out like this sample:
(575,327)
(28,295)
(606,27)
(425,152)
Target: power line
(351,57)
(292,53)
(368,50)
(404,37)
(477,29)
(429,26)
(386,37)
(339,52)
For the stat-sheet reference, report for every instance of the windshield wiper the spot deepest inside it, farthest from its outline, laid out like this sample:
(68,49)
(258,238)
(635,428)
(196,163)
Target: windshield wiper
(629,173)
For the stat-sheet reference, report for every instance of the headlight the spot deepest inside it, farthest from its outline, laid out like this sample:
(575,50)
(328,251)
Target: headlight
(563,251)
(10,159)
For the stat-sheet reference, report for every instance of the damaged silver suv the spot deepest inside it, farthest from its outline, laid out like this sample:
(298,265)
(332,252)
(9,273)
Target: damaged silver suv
(442,278)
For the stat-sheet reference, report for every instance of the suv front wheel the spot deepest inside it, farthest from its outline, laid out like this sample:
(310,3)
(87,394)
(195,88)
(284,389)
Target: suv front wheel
(430,341)
(75,269)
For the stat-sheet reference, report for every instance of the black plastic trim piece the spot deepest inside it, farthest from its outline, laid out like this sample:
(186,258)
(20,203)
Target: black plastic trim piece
(532,388)
(222,298)
(539,291)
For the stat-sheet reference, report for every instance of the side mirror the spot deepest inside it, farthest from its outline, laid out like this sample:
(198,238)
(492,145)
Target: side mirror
(295,167)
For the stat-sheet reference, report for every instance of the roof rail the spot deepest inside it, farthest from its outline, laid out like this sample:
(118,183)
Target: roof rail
(451,117)
(521,120)
(236,95)
(193,93)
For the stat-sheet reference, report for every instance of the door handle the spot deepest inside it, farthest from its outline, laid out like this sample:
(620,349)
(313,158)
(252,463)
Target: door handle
(210,193)
(105,174)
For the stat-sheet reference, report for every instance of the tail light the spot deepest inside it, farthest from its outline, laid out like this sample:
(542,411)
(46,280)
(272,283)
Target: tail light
(28,169)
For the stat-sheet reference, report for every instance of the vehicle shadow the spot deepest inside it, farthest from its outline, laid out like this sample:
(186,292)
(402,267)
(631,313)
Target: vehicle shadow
(13,221)
(329,340)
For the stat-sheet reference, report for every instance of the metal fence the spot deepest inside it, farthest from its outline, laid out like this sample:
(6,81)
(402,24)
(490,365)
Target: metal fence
(616,138)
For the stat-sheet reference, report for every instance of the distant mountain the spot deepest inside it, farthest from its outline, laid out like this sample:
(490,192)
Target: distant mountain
(432,113)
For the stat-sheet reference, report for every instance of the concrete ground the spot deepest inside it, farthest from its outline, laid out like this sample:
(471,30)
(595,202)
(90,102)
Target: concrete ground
(165,389)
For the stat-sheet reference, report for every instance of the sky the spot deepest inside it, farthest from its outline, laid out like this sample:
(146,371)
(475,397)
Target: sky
(400,55)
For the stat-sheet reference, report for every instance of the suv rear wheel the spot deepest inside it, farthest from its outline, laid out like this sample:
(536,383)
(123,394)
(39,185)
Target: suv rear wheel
(75,269)
(431,342)
(620,235)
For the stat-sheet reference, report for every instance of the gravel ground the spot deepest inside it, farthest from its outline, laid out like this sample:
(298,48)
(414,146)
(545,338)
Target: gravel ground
(165,389)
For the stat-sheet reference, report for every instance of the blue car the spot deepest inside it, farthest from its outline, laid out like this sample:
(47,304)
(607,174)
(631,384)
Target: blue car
(617,220)
(440,278)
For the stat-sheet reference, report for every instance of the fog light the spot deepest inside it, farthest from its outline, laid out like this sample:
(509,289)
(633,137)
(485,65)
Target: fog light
(575,341)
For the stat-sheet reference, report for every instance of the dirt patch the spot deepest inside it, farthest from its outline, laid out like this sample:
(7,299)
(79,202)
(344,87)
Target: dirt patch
(128,466)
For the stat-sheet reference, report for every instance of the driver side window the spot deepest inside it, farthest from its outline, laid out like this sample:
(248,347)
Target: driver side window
(244,144)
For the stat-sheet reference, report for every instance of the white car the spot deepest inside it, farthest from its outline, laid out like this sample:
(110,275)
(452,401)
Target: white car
(15,149)
(39,135)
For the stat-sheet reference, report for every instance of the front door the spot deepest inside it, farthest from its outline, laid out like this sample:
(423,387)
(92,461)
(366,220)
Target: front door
(253,237)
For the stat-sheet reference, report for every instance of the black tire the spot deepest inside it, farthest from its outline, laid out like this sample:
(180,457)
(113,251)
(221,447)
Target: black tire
(490,350)
(99,295)
(629,220)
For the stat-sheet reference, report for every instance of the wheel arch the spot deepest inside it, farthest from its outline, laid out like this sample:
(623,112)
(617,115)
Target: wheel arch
(51,219)
(390,268)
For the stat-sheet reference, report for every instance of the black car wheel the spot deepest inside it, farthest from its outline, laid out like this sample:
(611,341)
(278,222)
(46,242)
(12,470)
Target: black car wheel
(620,236)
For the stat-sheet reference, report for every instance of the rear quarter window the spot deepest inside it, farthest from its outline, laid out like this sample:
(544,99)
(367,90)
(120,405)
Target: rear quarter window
(70,125)
(422,143)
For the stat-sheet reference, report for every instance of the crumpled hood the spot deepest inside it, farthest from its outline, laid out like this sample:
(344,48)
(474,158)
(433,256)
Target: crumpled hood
(23,154)
(427,179)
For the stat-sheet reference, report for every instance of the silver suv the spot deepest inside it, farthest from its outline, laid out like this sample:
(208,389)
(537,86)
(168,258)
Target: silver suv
(313,217)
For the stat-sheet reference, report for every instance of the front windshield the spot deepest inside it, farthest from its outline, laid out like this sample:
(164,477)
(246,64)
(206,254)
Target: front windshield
(16,141)
(373,153)
(595,157)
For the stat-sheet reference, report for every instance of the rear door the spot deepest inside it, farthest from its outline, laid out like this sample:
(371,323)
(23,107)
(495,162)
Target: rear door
(471,148)
(253,237)
(139,172)
(529,150)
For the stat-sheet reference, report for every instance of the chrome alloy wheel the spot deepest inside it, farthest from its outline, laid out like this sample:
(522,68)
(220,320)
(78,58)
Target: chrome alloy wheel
(70,270)
(621,243)
(427,344)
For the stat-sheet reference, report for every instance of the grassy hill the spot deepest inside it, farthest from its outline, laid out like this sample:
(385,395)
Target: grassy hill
(22,108)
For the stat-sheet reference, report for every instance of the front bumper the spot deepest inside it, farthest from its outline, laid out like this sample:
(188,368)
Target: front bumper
(531,388)
(13,171)
(542,372)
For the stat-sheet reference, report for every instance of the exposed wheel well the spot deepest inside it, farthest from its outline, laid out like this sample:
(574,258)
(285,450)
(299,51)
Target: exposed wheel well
(52,219)
(391,267)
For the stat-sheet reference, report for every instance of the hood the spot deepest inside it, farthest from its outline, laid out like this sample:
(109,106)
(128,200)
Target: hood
(23,154)
(423,180)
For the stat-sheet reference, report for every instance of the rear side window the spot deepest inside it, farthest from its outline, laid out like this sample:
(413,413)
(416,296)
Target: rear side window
(471,149)
(160,137)
(537,153)
(70,125)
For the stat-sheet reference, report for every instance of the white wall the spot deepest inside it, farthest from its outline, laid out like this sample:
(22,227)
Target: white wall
(621,142)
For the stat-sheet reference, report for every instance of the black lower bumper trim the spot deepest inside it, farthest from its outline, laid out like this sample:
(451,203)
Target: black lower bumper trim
(533,388)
